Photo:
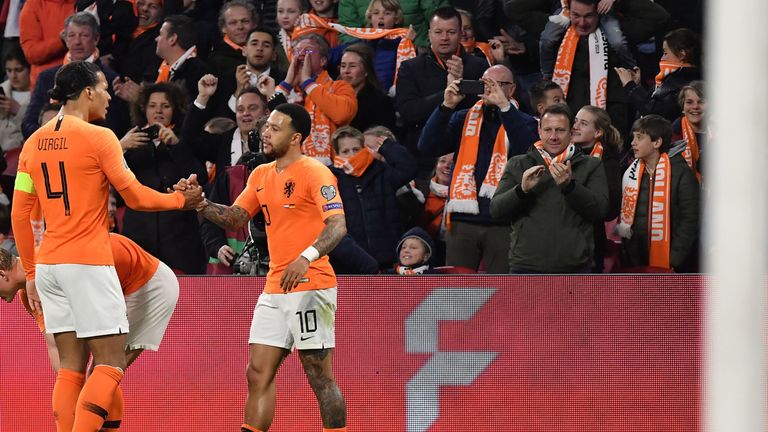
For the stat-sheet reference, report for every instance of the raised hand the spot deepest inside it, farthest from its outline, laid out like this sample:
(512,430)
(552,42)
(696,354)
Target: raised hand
(495,94)
(134,139)
(455,67)
(266,85)
(604,6)
(126,89)
(306,70)
(561,173)
(242,77)
(167,136)
(511,46)
(531,177)
(293,72)
(451,96)
(206,87)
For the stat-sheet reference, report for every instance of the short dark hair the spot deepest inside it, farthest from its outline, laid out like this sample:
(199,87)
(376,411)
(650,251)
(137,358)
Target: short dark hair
(686,40)
(538,92)
(446,13)
(254,90)
(586,2)
(262,29)
(300,120)
(655,126)
(15,53)
(238,3)
(183,27)
(559,109)
(71,79)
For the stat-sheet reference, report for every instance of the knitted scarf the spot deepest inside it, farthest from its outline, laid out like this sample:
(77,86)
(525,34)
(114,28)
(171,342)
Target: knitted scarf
(471,44)
(355,165)
(405,270)
(658,212)
(691,152)
(463,192)
(666,68)
(563,157)
(597,150)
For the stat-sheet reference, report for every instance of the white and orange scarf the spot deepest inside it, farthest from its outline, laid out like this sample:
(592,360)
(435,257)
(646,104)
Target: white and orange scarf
(667,68)
(563,157)
(598,65)
(470,45)
(658,211)
(597,150)
(463,193)
(357,164)
(309,23)
(318,143)
(691,151)
(165,71)
(409,271)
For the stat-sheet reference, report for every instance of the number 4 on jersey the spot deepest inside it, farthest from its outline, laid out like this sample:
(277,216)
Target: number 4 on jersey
(63,193)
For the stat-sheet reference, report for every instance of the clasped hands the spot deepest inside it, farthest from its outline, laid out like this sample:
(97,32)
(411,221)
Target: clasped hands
(194,198)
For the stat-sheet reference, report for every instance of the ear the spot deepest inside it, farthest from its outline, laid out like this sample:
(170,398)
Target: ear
(598,133)
(657,143)
(683,55)
(539,107)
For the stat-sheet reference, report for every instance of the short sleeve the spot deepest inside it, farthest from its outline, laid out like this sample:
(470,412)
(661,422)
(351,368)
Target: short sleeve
(247,198)
(324,192)
(113,163)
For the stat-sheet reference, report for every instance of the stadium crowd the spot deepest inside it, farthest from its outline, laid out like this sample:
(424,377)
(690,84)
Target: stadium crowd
(498,136)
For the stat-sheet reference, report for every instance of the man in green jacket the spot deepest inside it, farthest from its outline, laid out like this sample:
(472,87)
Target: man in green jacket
(553,196)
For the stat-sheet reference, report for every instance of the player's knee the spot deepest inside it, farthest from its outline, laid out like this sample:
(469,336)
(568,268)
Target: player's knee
(258,375)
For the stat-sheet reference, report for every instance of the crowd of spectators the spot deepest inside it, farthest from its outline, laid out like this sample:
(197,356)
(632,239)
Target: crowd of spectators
(497,136)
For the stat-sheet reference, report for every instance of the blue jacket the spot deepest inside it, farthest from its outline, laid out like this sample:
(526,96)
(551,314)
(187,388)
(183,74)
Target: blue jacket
(370,205)
(442,135)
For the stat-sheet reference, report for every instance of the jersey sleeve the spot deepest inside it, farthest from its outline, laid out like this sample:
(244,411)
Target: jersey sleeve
(247,198)
(25,197)
(113,164)
(324,192)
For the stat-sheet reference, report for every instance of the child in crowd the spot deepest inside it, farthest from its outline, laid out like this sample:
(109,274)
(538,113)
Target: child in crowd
(385,15)
(288,12)
(414,253)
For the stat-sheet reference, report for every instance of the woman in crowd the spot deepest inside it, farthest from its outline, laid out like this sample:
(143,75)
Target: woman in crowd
(432,216)
(13,105)
(594,134)
(159,158)
(679,65)
(374,107)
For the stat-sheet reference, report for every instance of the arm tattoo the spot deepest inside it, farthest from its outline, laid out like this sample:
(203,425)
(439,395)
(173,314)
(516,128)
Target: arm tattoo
(230,218)
(335,229)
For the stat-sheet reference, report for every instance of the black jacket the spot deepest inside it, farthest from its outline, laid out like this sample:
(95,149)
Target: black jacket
(171,236)
(370,204)
(216,148)
(662,101)
(374,108)
(186,76)
(224,59)
(226,88)
(421,82)
(140,62)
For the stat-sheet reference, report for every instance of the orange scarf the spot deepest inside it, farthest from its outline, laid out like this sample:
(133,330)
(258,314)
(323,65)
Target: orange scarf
(405,49)
(232,44)
(165,71)
(470,46)
(463,192)
(691,152)
(409,271)
(666,68)
(598,65)
(318,143)
(563,157)
(658,211)
(91,59)
(597,150)
(355,165)
(142,29)
(312,23)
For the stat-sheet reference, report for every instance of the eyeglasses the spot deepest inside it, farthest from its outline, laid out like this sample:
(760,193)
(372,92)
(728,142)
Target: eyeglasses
(503,83)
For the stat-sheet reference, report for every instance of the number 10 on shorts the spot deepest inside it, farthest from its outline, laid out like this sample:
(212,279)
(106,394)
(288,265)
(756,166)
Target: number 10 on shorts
(307,321)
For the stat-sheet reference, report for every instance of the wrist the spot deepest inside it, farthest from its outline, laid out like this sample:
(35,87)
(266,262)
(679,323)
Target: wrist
(203,204)
(311,254)
(201,102)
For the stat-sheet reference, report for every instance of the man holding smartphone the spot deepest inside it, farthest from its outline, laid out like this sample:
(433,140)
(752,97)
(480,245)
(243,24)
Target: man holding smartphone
(483,137)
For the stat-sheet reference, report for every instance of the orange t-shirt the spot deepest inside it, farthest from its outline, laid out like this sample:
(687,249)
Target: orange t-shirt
(134,266)
(71,164)
(295,202)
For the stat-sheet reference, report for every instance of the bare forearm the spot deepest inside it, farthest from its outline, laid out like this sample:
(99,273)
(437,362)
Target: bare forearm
(230,218)
(335,229)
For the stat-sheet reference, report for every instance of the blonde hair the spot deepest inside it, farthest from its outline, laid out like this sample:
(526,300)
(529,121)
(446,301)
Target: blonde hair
(380,131)
(390,5)
(346,132)
(611,136)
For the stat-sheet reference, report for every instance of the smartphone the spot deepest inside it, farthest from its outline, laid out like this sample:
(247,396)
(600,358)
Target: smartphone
(471,87)
(152,131)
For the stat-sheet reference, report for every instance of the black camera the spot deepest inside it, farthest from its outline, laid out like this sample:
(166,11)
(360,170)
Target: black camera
(152,131)
(250,262)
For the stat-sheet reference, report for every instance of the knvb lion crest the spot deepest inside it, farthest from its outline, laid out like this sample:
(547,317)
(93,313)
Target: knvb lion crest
(288,188)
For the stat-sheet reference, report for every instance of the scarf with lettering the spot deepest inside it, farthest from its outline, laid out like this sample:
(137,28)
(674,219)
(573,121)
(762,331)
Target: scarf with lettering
(667,68)
(563,157)
(463,193)
(312,23)
(318,143)
(93,57)
(406,271)
(598,65)
(691,151)
(166,71)
(471,44)
(355,165)
(658,211)
(405,49)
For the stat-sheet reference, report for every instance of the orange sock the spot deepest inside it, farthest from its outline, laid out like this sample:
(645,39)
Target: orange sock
(248,428)
(115,414)
(64,400)
(341,429)
(96,397)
